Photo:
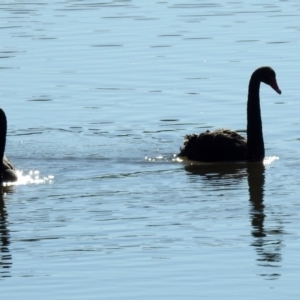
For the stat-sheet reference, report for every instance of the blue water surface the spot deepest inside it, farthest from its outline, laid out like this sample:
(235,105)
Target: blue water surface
(99,97)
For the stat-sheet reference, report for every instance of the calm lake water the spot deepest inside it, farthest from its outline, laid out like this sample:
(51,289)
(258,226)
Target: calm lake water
(99,97)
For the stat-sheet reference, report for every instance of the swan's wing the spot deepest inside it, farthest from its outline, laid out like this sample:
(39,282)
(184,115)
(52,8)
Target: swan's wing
(9,172)
(219,145)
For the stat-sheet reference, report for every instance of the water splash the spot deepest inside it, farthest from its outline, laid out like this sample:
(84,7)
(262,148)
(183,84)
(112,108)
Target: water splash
(157,158)
(32,177)
(268,160)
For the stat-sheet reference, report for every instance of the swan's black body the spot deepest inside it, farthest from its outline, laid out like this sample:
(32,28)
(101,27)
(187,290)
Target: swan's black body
(7,171)
(225,145)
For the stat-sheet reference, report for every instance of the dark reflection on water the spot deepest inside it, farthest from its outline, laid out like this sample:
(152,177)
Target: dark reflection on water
(5,256)
(267,242)
(218,171)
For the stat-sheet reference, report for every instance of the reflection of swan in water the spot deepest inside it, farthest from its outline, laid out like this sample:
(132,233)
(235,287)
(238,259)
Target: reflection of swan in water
(226,145)
(5,256)
(256,181)
(8,173)
(217,171)
(266,240)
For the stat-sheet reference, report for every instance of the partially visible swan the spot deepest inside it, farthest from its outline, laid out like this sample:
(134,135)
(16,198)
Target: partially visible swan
(226,145)
(7,171)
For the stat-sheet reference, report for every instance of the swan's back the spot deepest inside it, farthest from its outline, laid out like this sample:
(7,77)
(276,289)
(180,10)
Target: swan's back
(216,146)
(7,171)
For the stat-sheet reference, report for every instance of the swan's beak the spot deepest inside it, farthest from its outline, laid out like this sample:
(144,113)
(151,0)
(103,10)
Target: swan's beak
(274,86)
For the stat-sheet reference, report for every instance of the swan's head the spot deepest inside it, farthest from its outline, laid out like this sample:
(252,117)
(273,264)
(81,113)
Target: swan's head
(268,76)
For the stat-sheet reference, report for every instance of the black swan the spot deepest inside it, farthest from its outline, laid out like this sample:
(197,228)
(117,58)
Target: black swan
(226,145)
(7,171)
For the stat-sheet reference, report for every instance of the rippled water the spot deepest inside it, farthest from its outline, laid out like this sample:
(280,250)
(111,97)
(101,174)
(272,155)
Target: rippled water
(99,96)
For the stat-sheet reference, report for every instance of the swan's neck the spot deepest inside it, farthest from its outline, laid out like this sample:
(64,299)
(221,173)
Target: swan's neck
(3,129)
(255,144)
